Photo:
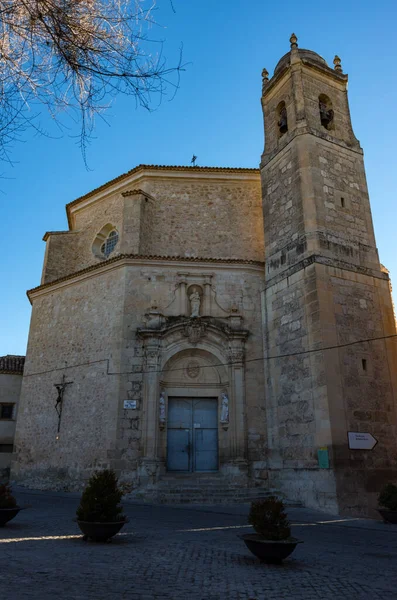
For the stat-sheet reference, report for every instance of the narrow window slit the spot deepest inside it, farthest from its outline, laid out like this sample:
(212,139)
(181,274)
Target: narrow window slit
(364,363)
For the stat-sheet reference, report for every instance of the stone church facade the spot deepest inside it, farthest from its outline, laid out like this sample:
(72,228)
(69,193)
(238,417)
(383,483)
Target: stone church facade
(213,320)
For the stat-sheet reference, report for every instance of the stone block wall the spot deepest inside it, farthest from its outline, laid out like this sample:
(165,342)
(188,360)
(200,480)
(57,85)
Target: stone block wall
(210,219)
(86,328)
(364,399)
(343,220)
(195,216)
(75,331)
(284,224)
(313,399)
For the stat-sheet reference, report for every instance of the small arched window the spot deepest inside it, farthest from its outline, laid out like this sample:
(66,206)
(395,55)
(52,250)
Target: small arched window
(110,243)
(326,112)
(105,241)
(282,119)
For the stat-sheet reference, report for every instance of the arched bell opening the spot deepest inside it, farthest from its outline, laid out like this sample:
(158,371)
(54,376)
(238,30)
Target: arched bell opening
(282,118)
(326,112)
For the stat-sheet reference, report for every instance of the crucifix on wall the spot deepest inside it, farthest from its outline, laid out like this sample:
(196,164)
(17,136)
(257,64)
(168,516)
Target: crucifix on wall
(61,387)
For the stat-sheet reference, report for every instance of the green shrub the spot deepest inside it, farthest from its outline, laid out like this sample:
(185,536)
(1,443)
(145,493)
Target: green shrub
(269,519)
(100,499)
(7,500)
(388,497)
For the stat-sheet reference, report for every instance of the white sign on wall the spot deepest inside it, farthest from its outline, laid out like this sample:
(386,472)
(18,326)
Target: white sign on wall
(130,404)
(361,441)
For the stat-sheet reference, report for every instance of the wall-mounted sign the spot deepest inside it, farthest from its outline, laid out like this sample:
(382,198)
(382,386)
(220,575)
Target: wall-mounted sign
(323,458)
(361,441)
(130,404)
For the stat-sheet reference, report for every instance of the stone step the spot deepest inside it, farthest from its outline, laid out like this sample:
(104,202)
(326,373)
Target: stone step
(210,484)
(208,500)
(203,494)
(201,488)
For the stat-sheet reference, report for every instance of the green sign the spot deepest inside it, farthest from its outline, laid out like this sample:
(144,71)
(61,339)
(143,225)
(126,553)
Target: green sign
(323,458)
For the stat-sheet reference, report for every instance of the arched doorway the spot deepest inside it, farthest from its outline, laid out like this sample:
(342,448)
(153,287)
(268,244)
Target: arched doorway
(193,381)
(193,358)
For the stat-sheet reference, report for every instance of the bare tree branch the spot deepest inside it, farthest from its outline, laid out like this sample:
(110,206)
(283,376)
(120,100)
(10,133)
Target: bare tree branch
(74,56)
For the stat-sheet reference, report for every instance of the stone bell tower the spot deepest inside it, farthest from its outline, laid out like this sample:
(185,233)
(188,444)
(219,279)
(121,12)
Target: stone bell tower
(330,366)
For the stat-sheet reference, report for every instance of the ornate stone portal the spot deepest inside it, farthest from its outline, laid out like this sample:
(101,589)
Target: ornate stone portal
(194,357)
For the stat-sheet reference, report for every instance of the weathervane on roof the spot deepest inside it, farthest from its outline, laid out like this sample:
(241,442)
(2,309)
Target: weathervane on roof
(193,161)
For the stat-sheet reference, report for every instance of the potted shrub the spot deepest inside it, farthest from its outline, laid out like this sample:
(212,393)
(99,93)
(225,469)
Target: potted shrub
(272,541)
(388,499)
(100,515)
(8,505)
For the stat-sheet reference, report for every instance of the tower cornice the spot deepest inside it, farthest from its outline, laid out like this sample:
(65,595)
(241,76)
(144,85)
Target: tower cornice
(266,159)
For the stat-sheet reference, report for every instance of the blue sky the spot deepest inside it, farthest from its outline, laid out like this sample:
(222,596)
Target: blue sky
(216,114)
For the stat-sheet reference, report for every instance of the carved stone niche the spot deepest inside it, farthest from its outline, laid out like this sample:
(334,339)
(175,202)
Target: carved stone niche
(195,298)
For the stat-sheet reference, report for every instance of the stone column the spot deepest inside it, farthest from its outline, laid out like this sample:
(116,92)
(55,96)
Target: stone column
(238,413)
(182,298)
(150,462)
(207,296)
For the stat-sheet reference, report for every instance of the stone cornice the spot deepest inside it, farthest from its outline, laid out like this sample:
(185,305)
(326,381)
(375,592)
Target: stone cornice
(158,171)
(329,262)
(137,192)
(126,259)
(173,324)
(267,158)
(49,233)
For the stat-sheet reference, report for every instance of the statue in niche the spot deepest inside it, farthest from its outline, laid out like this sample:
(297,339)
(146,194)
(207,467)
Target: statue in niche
(225,408)
(162,410)
(195,302)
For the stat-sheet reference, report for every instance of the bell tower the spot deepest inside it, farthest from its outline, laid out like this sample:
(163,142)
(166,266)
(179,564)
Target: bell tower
(330,364)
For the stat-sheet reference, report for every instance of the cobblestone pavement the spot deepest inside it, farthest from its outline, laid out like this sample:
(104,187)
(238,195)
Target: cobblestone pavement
(190,553)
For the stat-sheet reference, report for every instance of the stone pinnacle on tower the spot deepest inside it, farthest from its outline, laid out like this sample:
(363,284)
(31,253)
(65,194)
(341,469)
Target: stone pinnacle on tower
(337,64)
(294,41)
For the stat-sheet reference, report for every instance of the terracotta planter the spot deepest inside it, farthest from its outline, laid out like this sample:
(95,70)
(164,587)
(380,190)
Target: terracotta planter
(100,532)
(389,516)
(269,551)
(6,514)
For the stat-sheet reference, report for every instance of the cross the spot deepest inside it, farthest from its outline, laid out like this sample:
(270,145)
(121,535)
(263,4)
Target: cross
(193,161)
(61,387)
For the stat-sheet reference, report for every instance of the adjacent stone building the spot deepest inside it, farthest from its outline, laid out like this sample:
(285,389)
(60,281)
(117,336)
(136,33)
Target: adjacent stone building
(11,371)
(182,326)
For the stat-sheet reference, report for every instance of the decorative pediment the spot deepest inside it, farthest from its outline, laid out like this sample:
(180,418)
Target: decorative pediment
(194,329)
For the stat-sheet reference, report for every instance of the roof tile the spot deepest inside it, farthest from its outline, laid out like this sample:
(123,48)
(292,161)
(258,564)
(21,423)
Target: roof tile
(12,364)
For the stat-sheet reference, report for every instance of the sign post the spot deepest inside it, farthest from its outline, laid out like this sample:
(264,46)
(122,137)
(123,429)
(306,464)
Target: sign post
(361,441)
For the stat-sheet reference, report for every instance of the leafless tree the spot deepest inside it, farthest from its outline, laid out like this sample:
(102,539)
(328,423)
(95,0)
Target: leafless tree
(74,56)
